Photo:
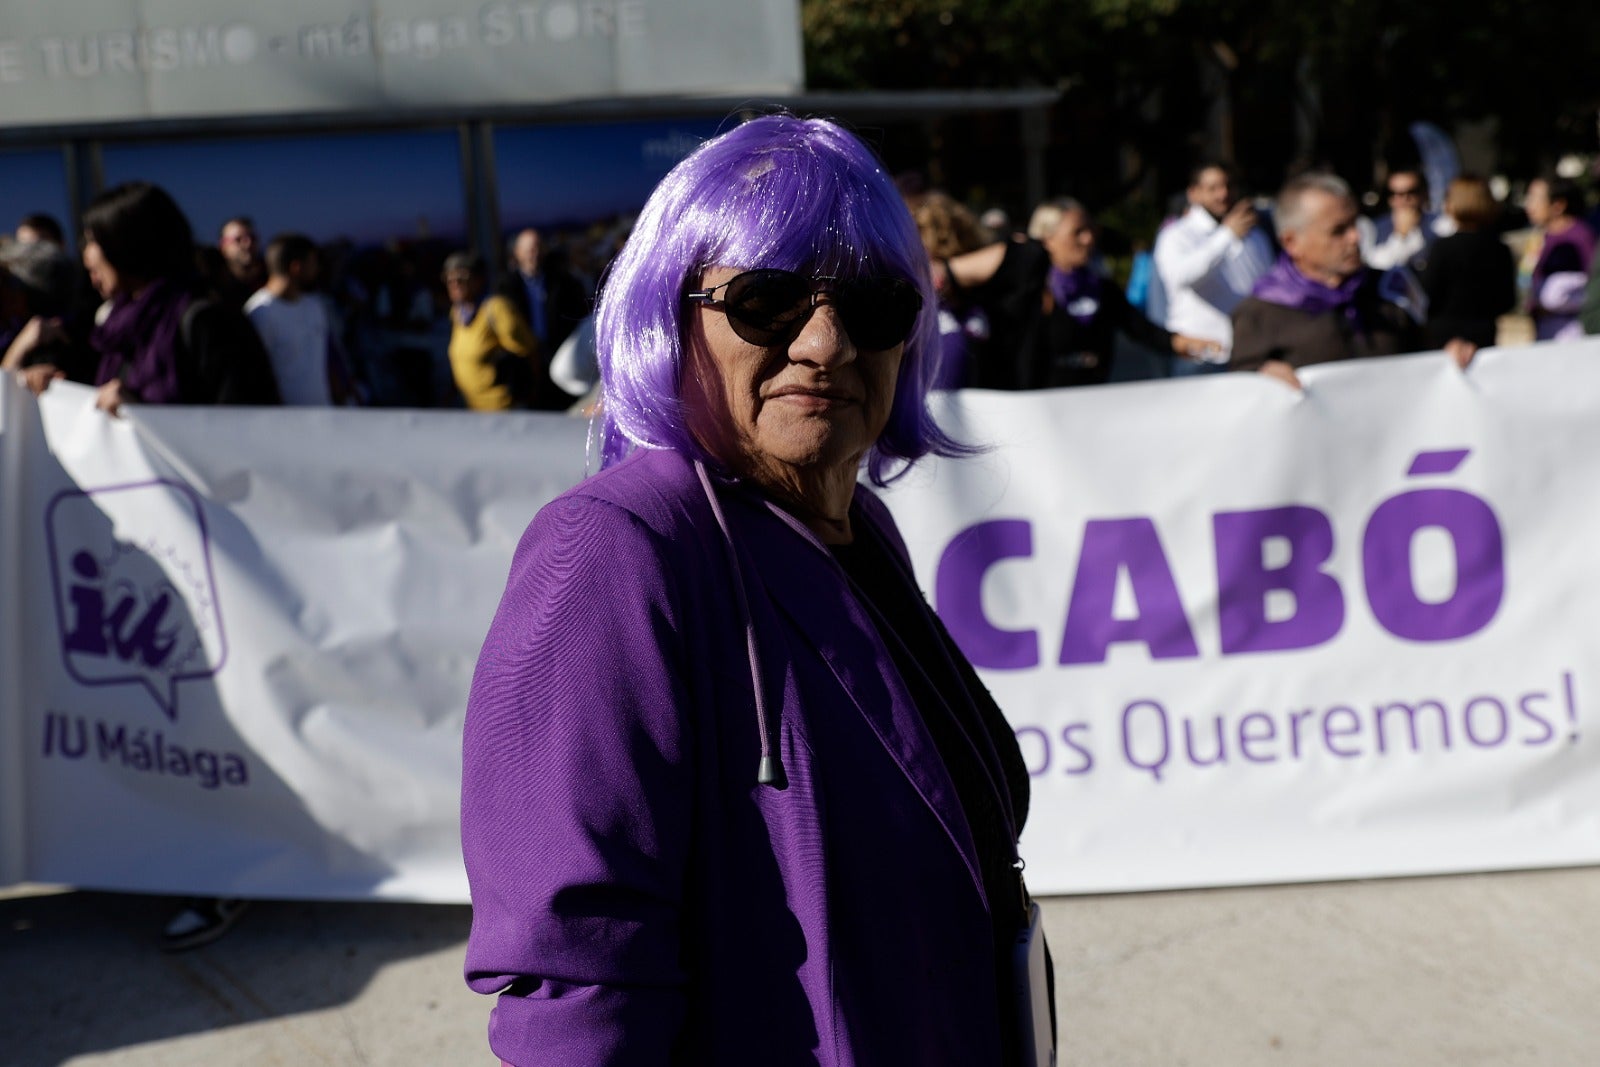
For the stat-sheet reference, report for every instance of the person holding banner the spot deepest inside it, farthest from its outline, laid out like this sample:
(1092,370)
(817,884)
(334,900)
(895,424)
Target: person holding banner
(730,793)
(161,339)
(1057,316)
(1318,303)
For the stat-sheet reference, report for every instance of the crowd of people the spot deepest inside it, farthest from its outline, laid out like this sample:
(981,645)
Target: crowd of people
(147,315)
(1231,283)
(1266,285)
(665,854)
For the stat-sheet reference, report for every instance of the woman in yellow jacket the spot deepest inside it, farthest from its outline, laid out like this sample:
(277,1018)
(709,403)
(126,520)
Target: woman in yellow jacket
(493,353)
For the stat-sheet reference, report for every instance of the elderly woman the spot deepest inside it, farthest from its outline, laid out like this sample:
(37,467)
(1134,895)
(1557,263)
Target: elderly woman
(1056,315)
(731,794)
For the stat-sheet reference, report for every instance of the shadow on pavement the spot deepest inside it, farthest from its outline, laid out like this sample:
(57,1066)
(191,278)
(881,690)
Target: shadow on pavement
(83,972)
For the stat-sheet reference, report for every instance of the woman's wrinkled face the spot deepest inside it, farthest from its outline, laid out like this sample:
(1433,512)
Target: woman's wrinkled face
(788,410)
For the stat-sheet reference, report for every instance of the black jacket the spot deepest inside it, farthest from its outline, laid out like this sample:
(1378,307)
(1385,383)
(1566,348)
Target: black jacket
(565,304)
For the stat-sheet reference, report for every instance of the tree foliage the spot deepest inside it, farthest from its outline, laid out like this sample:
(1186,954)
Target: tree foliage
(1336,82)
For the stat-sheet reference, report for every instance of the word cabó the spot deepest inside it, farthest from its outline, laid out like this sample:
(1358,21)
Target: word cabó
(1275,591)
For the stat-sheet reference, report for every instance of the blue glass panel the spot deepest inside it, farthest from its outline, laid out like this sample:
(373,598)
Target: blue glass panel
(569,176)
(34,180)
(368,187)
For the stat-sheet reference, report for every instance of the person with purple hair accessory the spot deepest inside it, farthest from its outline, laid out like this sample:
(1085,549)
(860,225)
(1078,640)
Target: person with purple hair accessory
(730,792)
(1318,303)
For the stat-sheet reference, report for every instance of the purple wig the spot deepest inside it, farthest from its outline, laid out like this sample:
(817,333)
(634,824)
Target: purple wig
(779,191)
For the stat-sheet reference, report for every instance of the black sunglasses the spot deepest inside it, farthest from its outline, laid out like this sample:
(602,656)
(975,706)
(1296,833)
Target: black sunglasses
(766,307)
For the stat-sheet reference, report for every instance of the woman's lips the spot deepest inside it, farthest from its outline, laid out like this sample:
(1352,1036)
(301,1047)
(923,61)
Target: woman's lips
(811,396)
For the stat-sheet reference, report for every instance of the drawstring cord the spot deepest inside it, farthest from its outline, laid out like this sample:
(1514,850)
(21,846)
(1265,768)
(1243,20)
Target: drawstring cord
(770,769)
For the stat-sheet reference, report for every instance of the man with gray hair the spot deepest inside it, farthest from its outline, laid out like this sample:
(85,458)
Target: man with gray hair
(1318,303)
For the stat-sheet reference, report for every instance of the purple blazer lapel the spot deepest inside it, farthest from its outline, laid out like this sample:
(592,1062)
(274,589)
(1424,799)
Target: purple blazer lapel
(806,585)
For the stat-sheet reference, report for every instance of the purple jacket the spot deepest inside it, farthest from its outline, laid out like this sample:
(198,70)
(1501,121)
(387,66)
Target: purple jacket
(637,897)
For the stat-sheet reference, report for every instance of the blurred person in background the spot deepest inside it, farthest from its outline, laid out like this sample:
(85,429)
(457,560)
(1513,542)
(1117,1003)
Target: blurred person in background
(1318,303)
(1055,314)
(243,270)
(494,356)
(297,328)
(1557,264)
(1206,262)
(996,223)
(160,340)
(948,229)
(1400,238)
(43,321)
(37,227)
(1470,276)
(549,299)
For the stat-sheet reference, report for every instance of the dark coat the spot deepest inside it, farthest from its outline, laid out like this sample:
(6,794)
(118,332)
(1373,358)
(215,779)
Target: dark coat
(565,303)
(1263,331)
(1036,345)
(1471,280)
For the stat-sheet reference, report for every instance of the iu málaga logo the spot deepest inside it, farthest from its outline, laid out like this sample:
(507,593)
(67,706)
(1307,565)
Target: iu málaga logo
(136,601)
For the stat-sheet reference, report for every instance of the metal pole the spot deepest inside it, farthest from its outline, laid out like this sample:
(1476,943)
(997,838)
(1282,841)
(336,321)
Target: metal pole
(1035,139)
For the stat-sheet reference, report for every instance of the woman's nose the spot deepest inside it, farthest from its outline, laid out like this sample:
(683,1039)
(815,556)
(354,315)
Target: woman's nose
(823,339)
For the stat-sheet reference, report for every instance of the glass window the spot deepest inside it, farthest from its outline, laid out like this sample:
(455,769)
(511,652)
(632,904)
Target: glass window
(367,188)
(32,181)
(569,177)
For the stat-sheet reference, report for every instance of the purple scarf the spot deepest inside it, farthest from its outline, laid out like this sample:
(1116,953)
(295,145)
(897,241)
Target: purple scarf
(1070,286)
(1284,285)
(139,341)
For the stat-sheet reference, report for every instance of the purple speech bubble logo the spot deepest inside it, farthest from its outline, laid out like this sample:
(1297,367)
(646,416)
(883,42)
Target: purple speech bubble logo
(136,602)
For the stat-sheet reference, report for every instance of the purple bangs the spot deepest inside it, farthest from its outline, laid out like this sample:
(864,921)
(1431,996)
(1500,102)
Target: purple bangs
(778,191)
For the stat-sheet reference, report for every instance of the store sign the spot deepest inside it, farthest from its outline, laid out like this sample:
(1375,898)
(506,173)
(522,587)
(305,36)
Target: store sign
(113,60)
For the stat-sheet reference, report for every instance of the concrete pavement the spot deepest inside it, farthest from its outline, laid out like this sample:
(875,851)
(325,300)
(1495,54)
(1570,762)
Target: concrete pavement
(1499,969)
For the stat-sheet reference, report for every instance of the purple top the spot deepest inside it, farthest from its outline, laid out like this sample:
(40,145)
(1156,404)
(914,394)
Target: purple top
(1076,292)
(1566,253)
(637,897)
(138,342)
(1570,250)
(960,331)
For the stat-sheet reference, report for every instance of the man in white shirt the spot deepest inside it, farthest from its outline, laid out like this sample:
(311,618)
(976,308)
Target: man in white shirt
(1205,263)
(294,324)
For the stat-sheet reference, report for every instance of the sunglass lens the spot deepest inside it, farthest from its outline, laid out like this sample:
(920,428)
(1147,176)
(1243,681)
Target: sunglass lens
(765,306)
(878,313)
(762,305)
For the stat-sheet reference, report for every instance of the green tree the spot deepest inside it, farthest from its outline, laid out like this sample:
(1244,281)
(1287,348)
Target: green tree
(1151,84)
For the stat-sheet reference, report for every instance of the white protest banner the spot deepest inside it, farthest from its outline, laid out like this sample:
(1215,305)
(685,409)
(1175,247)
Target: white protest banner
(1244,635)
(1247,635)
(248,637)
(13,784)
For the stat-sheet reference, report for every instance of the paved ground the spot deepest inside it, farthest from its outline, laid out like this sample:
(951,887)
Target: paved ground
(1486,969)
